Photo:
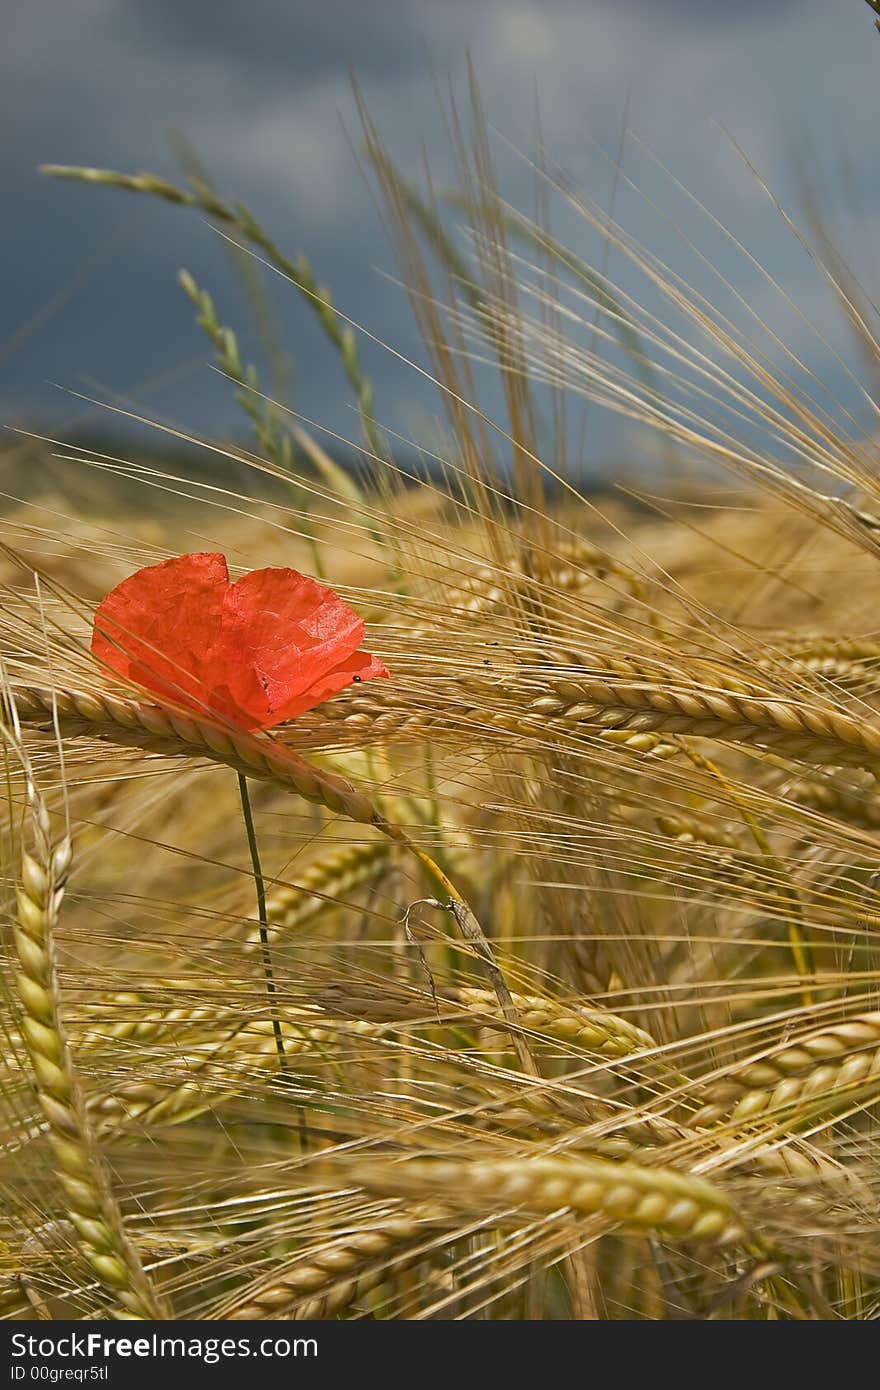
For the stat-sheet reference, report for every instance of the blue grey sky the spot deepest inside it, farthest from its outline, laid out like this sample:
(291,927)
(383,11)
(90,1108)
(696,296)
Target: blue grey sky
(262,89)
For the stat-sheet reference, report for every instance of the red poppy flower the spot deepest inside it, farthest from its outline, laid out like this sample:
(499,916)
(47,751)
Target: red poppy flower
(256,652)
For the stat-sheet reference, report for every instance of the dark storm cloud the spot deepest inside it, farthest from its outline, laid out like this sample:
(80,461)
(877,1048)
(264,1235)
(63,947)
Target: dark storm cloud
(278,41)
(90,298)
(285,40)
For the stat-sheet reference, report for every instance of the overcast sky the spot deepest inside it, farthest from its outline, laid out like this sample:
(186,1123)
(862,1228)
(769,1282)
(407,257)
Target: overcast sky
(262,89)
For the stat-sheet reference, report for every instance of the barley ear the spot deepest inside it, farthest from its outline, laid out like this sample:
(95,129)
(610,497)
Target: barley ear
(81,1170)
(679,1205)
(335,1276)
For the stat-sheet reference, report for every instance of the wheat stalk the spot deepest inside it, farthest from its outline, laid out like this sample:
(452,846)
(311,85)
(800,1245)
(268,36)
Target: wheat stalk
(81,1170)
(209,1073)
(612,711)
(162,730)
(335,1276)
(818,1066)
(636,1198)
(217,1072)
(242,220)
(598,1032)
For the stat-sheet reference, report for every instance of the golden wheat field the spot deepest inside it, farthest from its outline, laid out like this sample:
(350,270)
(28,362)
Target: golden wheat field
(538,980)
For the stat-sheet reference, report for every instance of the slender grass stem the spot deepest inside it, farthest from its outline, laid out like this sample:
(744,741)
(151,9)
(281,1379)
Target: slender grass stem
(264,917)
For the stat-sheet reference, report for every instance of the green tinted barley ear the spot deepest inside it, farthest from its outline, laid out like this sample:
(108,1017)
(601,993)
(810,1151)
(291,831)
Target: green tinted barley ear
(273,438)
(242,221)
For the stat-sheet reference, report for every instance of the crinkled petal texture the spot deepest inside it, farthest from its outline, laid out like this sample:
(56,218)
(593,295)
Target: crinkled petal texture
(256,652)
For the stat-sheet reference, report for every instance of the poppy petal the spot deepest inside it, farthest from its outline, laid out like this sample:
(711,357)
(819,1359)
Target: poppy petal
(257,652)
(282,633)
(160,626)
(360,666)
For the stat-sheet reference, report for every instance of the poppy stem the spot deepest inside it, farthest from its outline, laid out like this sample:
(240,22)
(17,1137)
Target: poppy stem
(264,917)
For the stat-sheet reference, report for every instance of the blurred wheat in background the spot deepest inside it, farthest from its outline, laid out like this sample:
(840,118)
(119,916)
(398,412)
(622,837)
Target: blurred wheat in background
(571,924)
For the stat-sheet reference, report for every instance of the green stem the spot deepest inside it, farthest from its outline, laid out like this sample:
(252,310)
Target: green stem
(264,917)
